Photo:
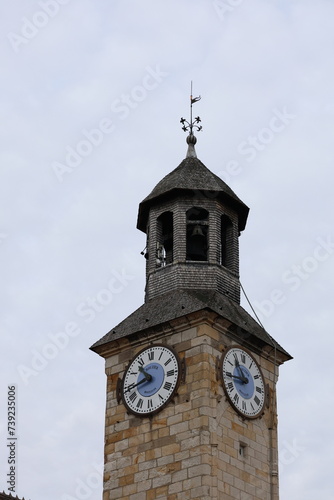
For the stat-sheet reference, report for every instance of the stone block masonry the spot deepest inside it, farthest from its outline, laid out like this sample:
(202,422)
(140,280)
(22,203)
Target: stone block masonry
(197,447)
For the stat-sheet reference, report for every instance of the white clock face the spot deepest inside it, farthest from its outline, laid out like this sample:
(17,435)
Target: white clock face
(243,382)
(150,380)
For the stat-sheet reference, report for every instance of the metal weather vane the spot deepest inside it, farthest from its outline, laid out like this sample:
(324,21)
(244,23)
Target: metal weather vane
(193,123)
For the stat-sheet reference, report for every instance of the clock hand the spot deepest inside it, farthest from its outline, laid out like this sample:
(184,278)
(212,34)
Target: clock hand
(132,386)
(146,375)
(147,378)
(243,378)
(235,376)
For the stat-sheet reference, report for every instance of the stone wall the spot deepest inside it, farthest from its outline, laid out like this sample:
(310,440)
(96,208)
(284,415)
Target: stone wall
(197,447)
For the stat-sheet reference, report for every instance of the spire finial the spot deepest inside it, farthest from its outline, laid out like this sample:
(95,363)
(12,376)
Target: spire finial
(188,126)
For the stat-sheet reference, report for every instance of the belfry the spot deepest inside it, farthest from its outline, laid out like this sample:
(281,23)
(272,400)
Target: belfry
(191,376)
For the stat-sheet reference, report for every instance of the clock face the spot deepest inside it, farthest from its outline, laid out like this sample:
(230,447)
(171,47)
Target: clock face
(151,380)
(243,382)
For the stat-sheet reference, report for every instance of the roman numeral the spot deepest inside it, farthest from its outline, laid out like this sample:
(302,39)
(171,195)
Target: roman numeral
(140,362)
(170,373)
(230,362)
(230,386)
(256,376)
(228,374)
(250,366)
(168,361)
(236,398)
(243,358)
(149,404)
(167,386)
(151,355)
(244,405)
(140,403)
(161,355)
(235,357)
(256,401)
(258,389)
(133,397)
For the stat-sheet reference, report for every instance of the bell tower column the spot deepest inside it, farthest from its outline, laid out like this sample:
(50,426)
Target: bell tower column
(191,376)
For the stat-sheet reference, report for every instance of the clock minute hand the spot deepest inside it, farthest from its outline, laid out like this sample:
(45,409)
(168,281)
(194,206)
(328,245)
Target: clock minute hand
(239,378)
(132,386)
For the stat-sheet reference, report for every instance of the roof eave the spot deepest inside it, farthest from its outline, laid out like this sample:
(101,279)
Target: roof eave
(145,205)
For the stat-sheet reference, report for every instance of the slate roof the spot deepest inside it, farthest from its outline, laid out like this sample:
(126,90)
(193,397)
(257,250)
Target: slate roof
(179,303)
(191,175)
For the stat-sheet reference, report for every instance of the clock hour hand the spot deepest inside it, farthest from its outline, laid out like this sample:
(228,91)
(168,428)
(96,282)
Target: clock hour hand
(242,377)
(146,375)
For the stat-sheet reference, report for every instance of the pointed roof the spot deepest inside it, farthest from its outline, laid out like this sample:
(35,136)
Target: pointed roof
(176,304)
(191,175)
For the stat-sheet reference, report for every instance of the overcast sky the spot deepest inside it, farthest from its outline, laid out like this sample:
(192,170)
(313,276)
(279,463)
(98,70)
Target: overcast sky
(92,93)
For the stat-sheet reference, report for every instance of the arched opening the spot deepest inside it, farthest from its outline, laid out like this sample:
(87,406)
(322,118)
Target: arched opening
(226,242)
(164,253)
(197,234)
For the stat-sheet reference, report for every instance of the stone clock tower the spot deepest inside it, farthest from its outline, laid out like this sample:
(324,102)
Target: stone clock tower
(191,376)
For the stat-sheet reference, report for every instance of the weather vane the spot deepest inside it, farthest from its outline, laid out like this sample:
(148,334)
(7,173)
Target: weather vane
(188,126)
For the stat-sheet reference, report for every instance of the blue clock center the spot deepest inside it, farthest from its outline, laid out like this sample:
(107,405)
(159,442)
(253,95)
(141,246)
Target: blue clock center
(245,388)
(150,387)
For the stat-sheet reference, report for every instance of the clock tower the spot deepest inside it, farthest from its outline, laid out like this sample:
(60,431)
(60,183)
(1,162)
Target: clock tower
(191,376)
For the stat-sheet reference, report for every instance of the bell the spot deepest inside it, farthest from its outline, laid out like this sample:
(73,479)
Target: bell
(197,231)
(197,244)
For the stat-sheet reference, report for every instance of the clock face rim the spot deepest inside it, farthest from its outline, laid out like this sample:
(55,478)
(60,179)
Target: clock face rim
(261,410)
(149,413)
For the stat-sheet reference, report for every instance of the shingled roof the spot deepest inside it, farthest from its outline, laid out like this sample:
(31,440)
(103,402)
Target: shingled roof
(177,304)
(191,175)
